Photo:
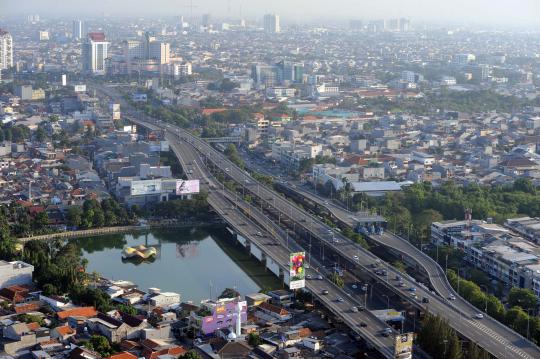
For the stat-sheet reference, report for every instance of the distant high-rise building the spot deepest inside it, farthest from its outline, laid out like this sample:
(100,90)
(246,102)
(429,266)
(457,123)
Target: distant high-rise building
(94,53)
(271,23)
(265,74)
(290,72)
(356,25)
(464,59)
(206,20)
(43,35)
(6,50)
(147,49)
(78,30)
(33,18)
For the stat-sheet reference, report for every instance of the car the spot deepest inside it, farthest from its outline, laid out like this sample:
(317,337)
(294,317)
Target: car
(227,169)
(364,288)
(354,286)
(386,332)
(412,289)
(400,284)
(363,324)
(319,277)
(355,257)
(308,276)
(339,299)
(451,297)
(414,296)
(479,316)
(325,292)
(259,233)
(361,308)
(398,277)
(425,300)
(354,309)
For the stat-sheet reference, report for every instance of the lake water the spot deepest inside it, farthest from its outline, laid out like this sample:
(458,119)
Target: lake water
(194,263)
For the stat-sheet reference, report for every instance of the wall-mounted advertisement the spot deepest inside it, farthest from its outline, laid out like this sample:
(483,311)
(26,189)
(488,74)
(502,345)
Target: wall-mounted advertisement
(187,187)
(297,270)
(139,188)
(404,346)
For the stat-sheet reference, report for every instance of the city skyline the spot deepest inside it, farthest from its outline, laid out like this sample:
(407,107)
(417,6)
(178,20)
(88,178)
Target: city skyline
(498,12)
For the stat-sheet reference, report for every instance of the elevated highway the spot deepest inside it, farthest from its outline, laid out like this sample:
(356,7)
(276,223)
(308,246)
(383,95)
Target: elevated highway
(497,339)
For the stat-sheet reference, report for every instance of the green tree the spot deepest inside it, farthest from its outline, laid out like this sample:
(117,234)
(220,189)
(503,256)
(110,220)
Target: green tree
(524,298)
(337,280)
(127,308)
(192,354)
(100,344)
(254,339)
(438,339)
(229,293)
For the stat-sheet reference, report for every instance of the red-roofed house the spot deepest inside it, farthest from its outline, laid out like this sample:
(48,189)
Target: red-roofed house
(122,355)
(210,111)
(87,312)
(63,333)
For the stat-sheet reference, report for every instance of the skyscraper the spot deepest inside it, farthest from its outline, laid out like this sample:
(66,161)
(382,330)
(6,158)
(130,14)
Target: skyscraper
(6,50)
(94,53)
(271,23)
(78,29)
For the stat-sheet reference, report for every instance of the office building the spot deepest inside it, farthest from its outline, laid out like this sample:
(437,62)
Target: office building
(43,35)
(266,75)
(6,50)
(290,72)
(147,54)
(464,59)
(94,53)
(271,24)
(78,31)
(180,70)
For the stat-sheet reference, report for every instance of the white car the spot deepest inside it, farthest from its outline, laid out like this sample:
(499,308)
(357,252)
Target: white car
(479,316)
(355,257)
(354,286)
(452,297)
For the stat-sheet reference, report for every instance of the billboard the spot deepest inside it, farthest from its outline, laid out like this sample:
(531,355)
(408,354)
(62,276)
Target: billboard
(187,187)
(297,270)
(403,346)
(139,188)
(389,315)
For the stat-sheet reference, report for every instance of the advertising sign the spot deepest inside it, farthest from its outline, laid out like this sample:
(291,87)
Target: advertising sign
(139,188)
(403,346)
(297,270)
(388,315)
(187,187)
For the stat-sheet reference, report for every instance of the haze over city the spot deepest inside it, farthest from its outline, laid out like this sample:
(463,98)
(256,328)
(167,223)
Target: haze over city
(491,12)
(297,179)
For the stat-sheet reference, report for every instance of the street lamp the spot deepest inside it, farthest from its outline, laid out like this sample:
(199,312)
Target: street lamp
(485,286)
(387,301)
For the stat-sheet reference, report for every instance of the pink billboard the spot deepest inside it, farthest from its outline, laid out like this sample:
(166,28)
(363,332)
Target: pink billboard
(187,187)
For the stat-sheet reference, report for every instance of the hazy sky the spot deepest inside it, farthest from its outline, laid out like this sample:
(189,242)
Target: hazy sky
(443,11)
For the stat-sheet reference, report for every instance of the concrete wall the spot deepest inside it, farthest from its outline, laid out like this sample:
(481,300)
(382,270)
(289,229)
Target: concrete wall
(257,253)
(272,265)
(243,241)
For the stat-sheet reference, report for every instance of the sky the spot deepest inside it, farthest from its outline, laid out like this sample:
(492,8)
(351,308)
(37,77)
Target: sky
(507,12)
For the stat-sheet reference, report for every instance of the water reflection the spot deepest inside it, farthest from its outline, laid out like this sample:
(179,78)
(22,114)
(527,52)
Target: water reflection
(187,261)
